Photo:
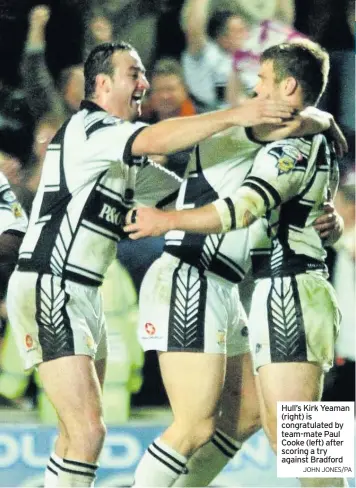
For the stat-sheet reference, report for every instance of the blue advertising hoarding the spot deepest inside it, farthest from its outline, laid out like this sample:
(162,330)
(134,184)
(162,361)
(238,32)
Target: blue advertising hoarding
(24,451)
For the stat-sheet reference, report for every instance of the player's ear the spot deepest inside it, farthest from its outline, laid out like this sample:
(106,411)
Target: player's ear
(103,82)
(290,85)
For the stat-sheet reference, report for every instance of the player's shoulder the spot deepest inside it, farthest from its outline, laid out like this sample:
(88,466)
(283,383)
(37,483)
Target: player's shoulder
(290,154)
(96,120)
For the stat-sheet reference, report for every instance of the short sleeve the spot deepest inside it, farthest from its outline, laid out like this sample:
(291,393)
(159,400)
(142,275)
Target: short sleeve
(12,215)
(278,172)
(112,141)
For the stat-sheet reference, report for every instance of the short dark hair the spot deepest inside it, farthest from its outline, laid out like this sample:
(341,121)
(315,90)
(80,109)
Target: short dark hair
(99,61)
(305,61)
(217,23)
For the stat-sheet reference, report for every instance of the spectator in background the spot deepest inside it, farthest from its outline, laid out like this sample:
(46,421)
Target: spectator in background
(169,98)
(43,93)
(281,10)
(264,31)
(207,60)
(70,85)
(99,29)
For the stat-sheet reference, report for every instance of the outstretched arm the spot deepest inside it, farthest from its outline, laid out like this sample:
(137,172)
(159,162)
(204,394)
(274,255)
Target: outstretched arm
(220,216)
(175,134)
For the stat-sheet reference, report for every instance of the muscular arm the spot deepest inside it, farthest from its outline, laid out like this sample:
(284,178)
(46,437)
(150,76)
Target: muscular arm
(175,134)
(223,215)
(194,21)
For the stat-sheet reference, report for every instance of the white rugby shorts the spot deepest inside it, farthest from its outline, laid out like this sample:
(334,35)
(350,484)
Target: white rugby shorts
(51,319)
(294,319)
(182,309)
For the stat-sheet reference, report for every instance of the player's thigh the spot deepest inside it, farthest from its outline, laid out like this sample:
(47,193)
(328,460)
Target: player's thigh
(73,387)
(194,382)
(293,320)
(287,382)
(182,309)
(240,412)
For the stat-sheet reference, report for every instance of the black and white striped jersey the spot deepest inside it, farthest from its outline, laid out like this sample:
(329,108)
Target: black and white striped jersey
(87,186)
(295,177)
(12,216)
(226,255)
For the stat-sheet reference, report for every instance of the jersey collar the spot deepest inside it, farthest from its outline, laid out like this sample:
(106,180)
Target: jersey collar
(90,106)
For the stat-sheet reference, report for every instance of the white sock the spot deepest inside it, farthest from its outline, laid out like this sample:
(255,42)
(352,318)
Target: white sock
(159,466)
(52,468)
(76,473)
(324,482)
(207,462)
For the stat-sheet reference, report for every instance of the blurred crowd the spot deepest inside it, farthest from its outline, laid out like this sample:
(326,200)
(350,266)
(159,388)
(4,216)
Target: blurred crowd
(200,55)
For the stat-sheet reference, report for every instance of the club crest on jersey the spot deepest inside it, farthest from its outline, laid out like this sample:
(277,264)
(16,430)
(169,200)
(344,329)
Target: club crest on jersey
(285,164)
(287,157)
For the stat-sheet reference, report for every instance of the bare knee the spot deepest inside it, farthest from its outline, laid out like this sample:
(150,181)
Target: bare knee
(187,437)
(203,431)
(89,433)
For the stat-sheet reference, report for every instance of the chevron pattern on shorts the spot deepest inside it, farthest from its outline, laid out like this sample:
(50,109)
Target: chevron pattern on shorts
(55,332)
(285,322)
(210,248)
(187,311)
(276,258)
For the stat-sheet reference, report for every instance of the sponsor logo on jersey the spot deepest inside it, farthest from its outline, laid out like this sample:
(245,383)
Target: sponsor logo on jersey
(110,214)
(150,328)
(28,341)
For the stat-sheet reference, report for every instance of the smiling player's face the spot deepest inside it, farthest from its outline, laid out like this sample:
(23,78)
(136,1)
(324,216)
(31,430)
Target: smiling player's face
(128,85)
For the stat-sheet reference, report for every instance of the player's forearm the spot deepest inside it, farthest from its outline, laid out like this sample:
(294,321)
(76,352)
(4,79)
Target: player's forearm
(221,216)
(203,220)
(175,134)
